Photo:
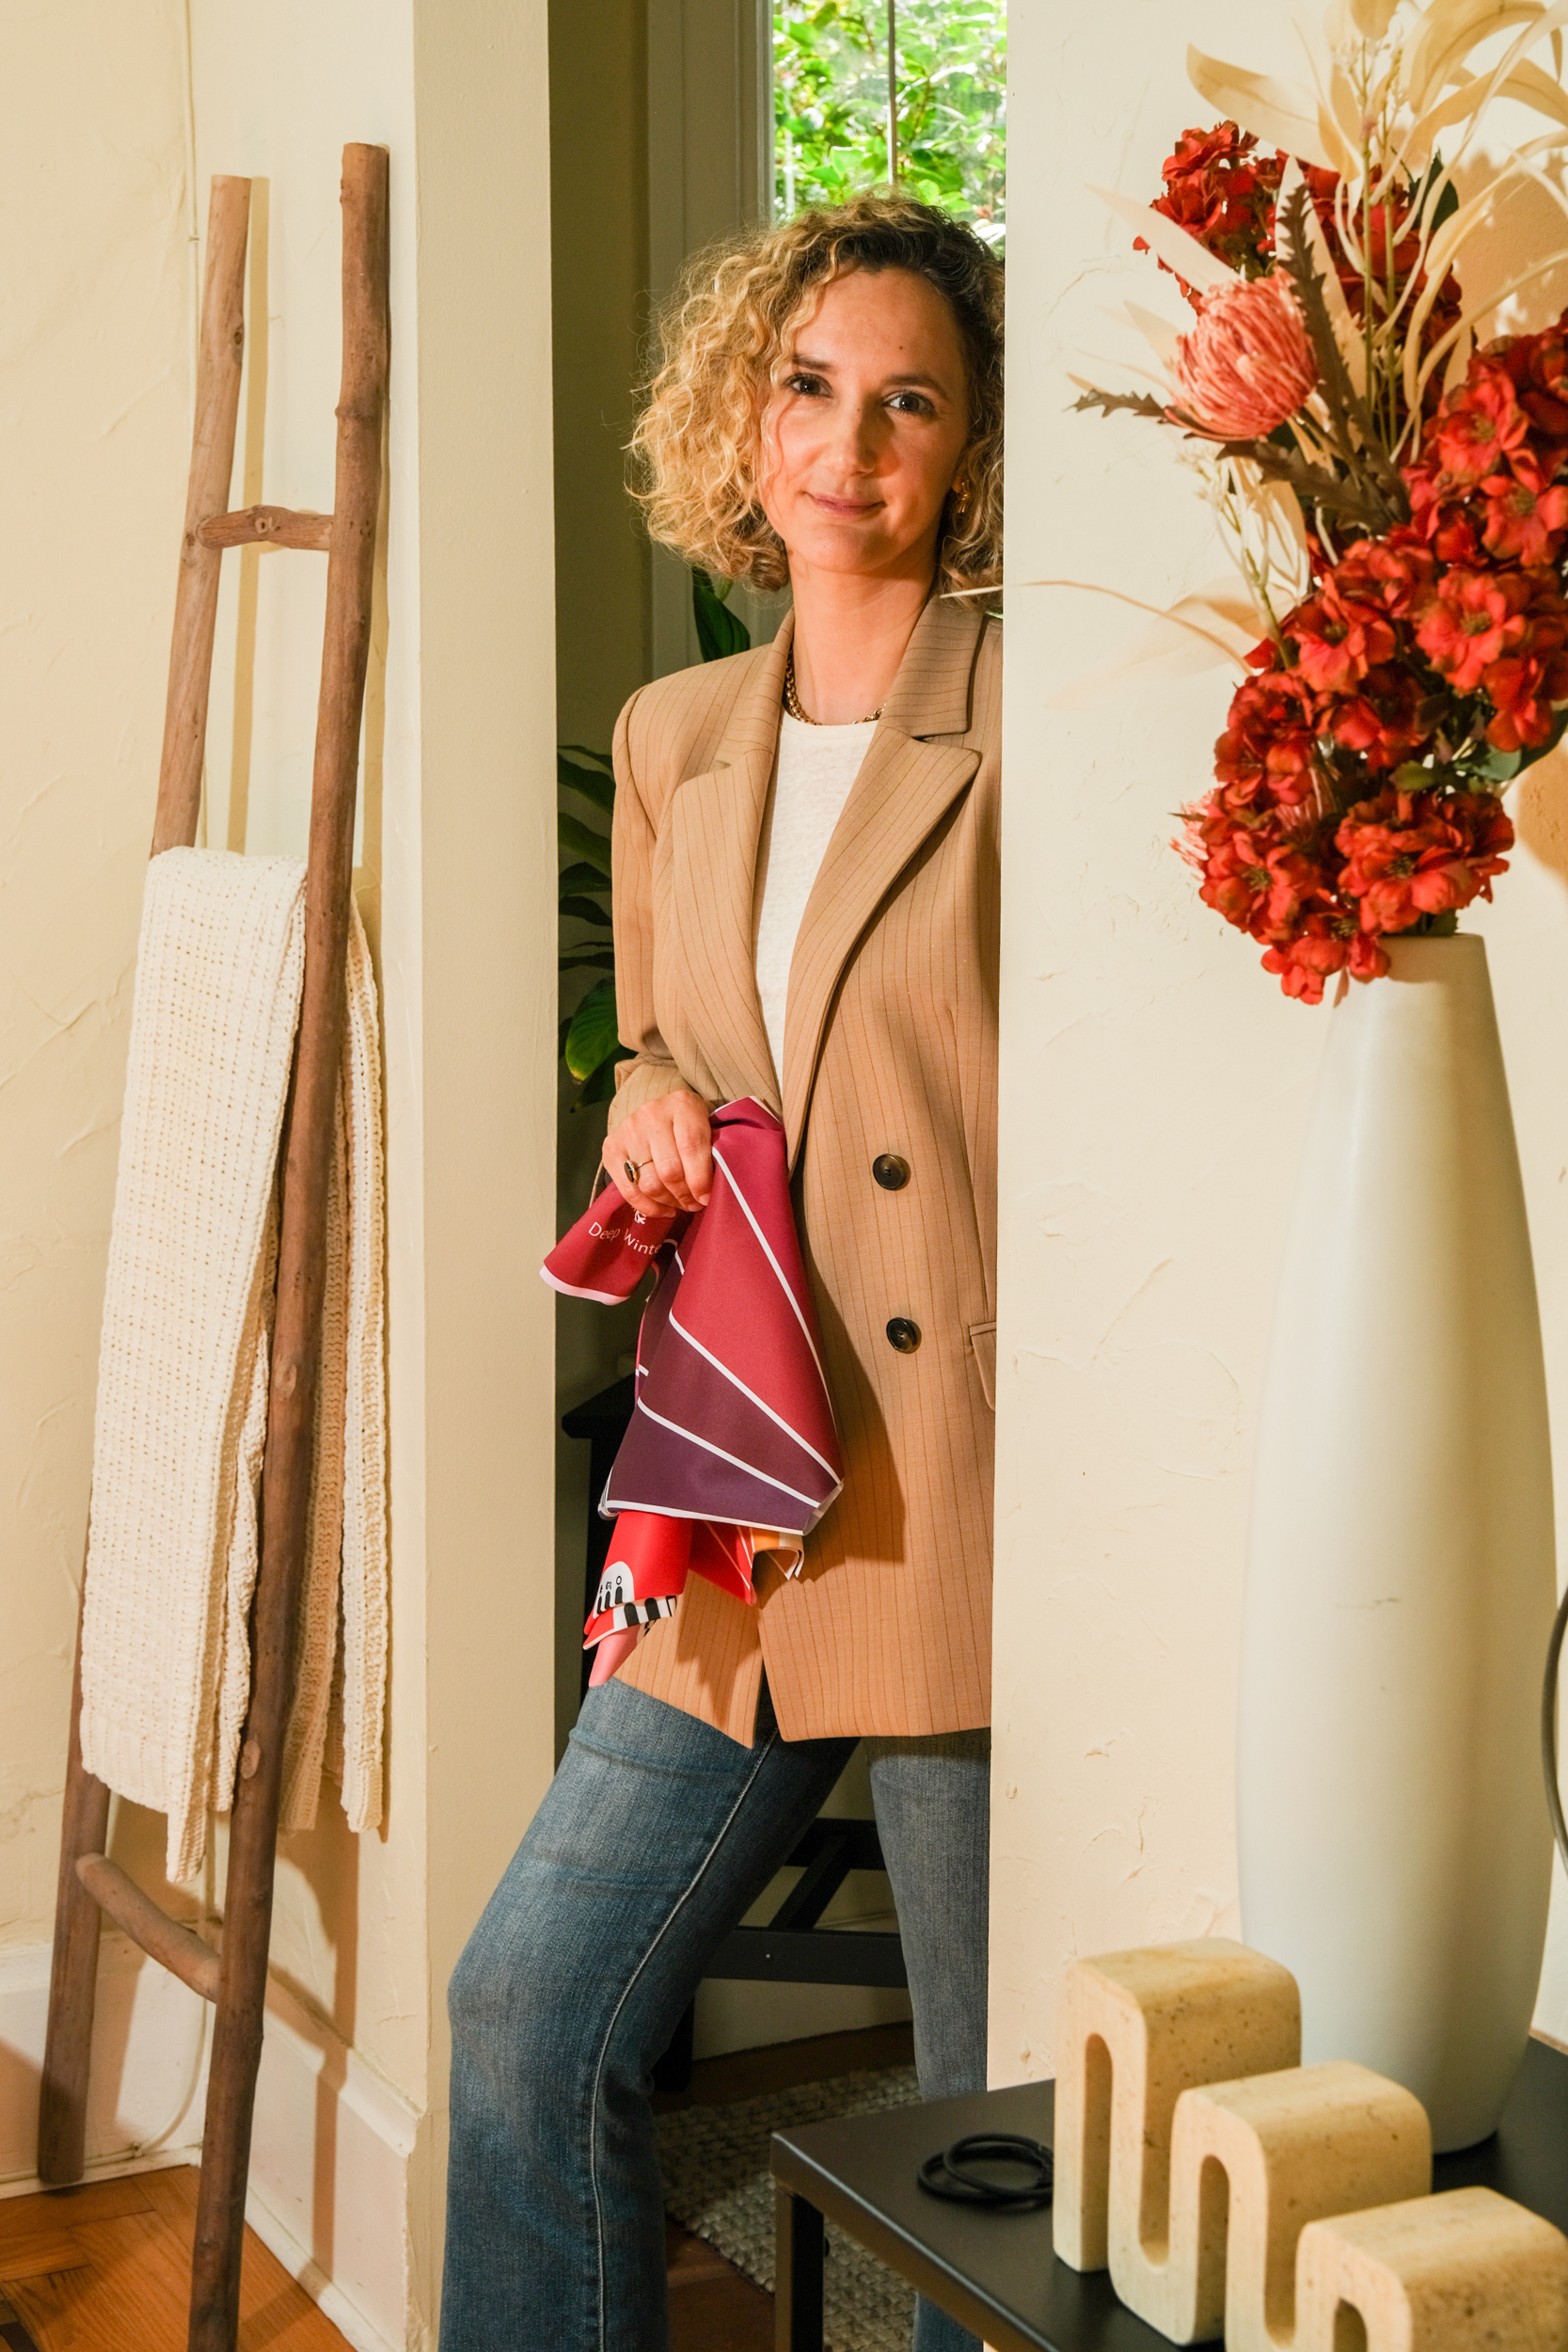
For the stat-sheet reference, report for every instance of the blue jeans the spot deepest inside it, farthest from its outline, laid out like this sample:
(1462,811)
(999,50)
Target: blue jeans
(654,1837)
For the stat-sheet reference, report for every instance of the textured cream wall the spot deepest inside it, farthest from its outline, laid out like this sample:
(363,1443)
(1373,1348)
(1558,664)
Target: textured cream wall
(94,422)
(458,877)
(1155,1090)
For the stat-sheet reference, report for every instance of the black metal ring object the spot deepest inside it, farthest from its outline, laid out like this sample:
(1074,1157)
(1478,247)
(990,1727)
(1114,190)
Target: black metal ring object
(946,2174)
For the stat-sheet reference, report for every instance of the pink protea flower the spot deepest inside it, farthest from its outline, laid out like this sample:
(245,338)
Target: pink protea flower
(1247,364)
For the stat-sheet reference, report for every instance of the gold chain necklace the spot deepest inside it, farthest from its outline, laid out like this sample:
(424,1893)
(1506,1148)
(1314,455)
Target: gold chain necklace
(792,701)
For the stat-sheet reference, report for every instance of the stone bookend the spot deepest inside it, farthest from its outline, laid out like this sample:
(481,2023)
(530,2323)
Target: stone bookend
(1137,2030)
(1229,2190)
(1444,2274)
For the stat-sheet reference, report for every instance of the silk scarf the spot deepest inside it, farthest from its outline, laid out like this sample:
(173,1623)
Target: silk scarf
(731,1454)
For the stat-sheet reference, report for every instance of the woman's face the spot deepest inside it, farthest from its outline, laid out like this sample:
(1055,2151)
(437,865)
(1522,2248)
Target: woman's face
(864,431)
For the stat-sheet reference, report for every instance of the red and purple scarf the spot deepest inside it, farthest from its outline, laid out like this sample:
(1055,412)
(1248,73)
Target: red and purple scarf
(731,1452)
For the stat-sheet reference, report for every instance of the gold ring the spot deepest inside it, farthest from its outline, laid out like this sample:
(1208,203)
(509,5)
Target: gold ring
(634,1170)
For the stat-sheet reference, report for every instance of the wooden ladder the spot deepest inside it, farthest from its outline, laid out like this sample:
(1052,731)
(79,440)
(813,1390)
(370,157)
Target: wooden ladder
(234,1977)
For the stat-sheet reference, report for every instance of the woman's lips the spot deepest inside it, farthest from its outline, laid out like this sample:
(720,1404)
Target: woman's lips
(850,508)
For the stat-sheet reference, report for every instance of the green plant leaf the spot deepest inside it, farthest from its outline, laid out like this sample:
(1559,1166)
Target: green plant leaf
(1372,491)
(586,751)
(584,910)
(576,958)
(583,841)
(720,632)
(581,877)
(592,1037)
(1448,201)
(599,1085)
(591,783)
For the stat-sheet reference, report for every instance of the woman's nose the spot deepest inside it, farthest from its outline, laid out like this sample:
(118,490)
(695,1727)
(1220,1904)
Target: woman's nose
(857,438)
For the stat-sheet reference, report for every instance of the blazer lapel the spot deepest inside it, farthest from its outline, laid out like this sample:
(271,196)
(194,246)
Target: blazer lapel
(904,790)
(715,829)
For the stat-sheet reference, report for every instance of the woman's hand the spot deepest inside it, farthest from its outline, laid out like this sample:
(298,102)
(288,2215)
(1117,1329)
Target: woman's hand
(669,1145)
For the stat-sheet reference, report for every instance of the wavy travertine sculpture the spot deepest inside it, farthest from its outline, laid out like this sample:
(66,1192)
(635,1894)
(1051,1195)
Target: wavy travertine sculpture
(1231,2191)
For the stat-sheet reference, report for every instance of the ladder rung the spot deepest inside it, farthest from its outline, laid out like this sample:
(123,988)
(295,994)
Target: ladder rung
(278,526)
(162,1939)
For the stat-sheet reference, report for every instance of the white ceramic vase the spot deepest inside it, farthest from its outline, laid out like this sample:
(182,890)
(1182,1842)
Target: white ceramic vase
(1395,1849)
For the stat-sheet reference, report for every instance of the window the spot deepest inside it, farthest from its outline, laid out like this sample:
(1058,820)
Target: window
(909,90)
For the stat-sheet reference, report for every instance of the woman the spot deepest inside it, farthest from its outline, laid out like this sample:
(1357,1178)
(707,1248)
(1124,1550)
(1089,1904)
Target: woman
(806,911)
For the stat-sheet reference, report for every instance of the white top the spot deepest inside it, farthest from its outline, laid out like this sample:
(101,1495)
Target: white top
(816,769)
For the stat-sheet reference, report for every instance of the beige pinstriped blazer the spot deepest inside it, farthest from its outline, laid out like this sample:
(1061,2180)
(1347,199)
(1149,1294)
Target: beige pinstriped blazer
(890,1047)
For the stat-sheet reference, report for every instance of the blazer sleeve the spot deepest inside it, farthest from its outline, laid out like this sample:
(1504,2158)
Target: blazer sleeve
(652,1071)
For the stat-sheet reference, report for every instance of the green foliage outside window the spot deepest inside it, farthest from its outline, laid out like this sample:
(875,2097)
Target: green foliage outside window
(831,103)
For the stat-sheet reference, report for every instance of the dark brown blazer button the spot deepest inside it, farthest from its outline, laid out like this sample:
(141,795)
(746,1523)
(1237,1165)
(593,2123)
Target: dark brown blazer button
(903,1335)
(891,1173)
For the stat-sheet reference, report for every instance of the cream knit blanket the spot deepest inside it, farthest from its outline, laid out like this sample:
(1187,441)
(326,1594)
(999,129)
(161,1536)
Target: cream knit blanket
(184,1365)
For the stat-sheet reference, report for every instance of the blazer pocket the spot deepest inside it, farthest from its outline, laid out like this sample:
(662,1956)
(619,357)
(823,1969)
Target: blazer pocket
(982,1338)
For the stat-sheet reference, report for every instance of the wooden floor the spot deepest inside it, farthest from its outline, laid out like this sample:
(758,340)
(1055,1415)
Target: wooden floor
(106,2269)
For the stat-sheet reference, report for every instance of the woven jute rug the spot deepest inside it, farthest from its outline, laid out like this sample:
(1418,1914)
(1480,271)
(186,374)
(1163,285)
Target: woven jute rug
(717,2185)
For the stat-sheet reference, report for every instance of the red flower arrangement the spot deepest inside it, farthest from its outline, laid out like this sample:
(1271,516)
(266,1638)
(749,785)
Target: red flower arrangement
(1223,189)
(1397,501)
(1356,778)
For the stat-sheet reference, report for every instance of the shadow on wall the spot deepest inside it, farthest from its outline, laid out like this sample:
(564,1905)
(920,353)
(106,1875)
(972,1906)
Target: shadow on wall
(1541,811)
(328,1859)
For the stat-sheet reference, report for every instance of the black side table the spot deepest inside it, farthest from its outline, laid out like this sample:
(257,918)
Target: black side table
(994,2270)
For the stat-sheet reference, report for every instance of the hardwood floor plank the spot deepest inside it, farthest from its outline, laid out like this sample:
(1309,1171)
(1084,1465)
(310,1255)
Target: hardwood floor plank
(131,2292)
(94,2200)
(31,2253)
(174,2192)
(712,2307)
(690,2260)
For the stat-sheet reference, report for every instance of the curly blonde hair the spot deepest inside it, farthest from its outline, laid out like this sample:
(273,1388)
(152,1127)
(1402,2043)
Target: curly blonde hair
(723,336)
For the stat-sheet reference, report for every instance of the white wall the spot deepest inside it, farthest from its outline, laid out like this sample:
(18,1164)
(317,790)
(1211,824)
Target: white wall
(1155,1088)
(94,351)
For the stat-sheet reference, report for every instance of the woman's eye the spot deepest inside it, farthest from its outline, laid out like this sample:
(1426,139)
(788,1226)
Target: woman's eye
(912,405)
(806,384)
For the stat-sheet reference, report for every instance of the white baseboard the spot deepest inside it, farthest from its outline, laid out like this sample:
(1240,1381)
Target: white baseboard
(148,2082)
(346,2316)
(330,2151)
(329,2175)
